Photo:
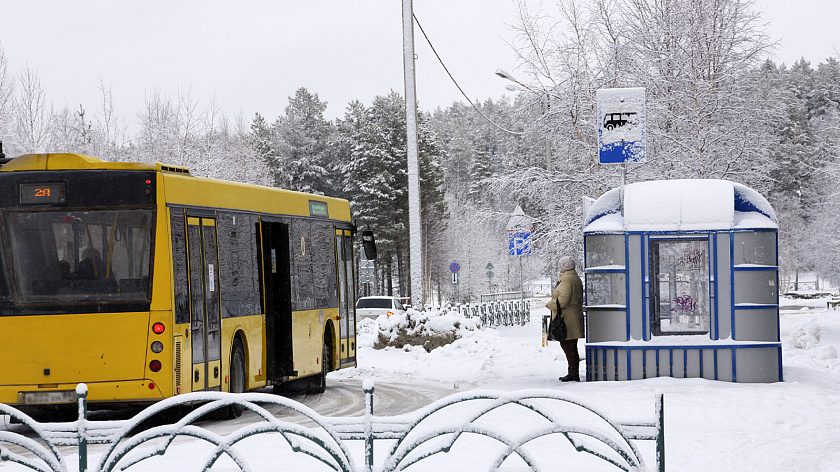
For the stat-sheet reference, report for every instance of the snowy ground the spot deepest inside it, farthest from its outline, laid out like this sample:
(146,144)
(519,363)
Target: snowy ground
(709,425)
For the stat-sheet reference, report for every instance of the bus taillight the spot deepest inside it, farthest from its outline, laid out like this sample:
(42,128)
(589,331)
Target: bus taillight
(155,366)
(158,328)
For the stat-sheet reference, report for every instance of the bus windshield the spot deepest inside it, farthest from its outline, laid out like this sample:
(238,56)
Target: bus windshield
(80,256)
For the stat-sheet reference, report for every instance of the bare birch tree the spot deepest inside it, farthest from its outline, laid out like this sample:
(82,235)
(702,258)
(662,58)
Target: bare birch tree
(32,117)
(6,101)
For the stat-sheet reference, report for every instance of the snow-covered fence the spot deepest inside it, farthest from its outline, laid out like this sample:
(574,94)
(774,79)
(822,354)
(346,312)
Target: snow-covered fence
(489,430)
(497,313)
(500,296)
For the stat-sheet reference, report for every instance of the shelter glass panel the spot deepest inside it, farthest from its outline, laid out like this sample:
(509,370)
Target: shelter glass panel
(756,287)
(604,250)
(757,248)
(679,286)
(606,289)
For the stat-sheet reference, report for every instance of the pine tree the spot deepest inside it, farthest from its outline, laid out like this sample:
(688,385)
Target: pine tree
(260,139)
(300,141)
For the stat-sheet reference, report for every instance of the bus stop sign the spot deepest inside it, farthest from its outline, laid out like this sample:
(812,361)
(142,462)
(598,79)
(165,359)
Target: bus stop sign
(621,125)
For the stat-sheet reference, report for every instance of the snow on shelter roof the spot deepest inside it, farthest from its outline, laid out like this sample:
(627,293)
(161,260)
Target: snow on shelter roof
(680,205)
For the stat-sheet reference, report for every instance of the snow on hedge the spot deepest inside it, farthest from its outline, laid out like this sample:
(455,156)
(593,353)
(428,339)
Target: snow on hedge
(429,330)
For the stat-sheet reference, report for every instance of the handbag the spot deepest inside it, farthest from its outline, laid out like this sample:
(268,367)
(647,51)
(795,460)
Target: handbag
(557,327)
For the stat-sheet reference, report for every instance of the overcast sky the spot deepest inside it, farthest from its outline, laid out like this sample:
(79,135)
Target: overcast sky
(253,55)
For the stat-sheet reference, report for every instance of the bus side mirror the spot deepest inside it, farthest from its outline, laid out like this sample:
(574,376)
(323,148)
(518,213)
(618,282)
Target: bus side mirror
(369,244)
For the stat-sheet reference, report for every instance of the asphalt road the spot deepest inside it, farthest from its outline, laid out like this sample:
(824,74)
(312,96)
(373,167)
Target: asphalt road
(343,398)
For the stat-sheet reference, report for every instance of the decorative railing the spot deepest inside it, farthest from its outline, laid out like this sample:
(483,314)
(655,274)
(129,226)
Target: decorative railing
(497,313)
(524,428)
(502,296)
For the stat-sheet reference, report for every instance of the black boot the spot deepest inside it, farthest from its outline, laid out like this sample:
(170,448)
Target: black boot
(570,378)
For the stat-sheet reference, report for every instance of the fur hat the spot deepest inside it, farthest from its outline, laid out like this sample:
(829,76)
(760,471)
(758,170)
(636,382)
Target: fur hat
(566,263)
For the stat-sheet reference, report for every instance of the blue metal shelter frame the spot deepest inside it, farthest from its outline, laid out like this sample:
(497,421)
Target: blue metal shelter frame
(743,340)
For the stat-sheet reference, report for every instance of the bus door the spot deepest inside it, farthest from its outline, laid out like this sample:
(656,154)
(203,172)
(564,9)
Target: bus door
(205,319)
(346,298)
(276,276)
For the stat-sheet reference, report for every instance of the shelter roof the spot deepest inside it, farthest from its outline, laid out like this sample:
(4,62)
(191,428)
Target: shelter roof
(680,205)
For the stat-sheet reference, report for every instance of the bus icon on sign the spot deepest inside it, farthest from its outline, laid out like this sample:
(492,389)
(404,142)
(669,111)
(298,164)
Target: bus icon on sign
(617,120)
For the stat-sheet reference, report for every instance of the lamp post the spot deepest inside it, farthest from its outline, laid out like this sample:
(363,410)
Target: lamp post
(414,234)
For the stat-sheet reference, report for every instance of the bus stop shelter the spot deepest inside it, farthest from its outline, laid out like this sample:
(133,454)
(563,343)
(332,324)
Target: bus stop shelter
(682,281)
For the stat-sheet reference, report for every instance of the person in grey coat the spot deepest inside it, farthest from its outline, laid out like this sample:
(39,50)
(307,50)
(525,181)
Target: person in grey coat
(569,293)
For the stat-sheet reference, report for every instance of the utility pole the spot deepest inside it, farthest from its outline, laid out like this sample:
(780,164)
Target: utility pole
(414,233)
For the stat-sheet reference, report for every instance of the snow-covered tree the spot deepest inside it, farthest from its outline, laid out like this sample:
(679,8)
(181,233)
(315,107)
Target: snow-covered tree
(32,116)
(70,131)
(434,213)
(376,179)
(6,102)
(260,141)
(158,138)
(710,112)
(301,145)
(805,190)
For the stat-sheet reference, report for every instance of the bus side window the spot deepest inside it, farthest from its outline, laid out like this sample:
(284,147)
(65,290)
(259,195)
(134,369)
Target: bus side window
(5,293)
(179,266)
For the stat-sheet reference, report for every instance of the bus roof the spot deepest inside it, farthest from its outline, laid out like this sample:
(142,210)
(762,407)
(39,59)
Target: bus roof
(68,161)
(185,189)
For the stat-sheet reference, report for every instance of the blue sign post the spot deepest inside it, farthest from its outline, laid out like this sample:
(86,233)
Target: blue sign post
(519,239)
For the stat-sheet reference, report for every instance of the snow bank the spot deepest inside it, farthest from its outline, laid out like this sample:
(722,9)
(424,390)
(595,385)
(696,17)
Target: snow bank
(429,330)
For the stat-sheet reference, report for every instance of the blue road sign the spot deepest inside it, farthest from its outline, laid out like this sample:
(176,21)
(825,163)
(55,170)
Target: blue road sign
(519,243)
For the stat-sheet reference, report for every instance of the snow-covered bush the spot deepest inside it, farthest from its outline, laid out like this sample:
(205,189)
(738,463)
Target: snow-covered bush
(427,329)
(806,336)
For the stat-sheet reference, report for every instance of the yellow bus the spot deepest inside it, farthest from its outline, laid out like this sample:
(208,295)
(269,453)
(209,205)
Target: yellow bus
(143,282)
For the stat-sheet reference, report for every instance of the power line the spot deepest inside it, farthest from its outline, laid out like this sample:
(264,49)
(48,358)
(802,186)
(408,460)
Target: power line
(456,82)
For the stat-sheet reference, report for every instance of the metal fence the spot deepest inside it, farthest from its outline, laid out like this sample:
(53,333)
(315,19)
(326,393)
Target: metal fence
(497,313)
(501,296)
(429,434)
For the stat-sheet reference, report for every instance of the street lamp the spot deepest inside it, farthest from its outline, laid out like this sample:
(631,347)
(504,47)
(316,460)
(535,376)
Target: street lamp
(506,75)
(520,87)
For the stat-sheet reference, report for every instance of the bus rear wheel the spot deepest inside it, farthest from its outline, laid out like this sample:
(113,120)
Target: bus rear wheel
(237,377)
(320,385)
